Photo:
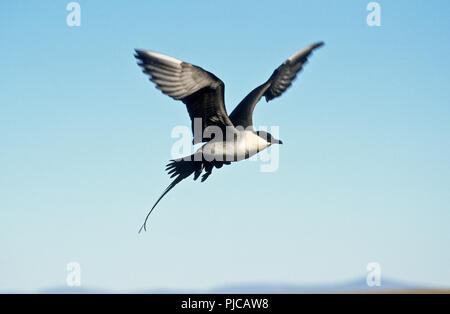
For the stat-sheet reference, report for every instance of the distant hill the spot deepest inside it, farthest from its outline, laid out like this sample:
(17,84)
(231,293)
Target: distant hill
(354,286)
(358,285)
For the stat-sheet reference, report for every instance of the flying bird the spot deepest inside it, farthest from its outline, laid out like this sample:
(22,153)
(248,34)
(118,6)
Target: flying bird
(203,94)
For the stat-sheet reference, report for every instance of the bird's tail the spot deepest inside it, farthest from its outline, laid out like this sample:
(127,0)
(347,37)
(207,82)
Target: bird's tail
(181,169)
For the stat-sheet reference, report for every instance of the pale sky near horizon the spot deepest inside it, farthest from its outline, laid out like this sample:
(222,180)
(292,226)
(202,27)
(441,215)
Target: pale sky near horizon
(364,171)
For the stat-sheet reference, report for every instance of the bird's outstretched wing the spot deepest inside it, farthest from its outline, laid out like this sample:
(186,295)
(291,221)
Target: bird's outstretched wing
(201,91)
(280,80)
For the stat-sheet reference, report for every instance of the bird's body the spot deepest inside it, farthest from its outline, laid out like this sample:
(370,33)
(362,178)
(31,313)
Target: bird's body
(246,144)
(203,94)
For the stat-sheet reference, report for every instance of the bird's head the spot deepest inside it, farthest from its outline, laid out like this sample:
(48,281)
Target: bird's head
(268,137)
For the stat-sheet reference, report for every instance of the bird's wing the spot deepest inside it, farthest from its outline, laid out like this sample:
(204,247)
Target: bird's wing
(280,80)
(201,91)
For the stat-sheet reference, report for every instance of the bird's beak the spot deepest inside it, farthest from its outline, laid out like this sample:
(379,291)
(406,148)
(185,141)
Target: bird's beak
(279,142)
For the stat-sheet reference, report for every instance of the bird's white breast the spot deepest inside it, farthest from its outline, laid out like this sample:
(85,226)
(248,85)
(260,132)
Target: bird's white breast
(246,145)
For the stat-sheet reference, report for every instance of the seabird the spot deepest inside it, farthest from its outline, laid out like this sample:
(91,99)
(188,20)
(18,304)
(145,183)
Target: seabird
(203,94)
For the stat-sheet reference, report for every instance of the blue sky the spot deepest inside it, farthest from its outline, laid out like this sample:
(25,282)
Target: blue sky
(364,171)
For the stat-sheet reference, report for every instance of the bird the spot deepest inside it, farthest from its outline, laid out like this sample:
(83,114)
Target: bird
(203,94)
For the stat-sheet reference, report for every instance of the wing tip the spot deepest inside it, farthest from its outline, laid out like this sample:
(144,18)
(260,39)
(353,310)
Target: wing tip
(317,45)
(139,55)
(305,52)
(156,56)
